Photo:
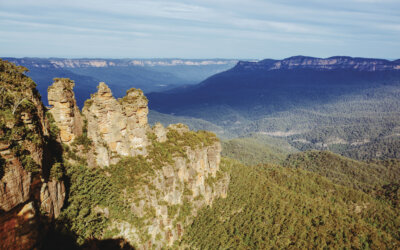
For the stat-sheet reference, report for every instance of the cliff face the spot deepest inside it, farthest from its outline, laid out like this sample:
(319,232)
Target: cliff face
(29,196)
(144,185)
(116,127)
(64,110)
(174,194)
(155,179)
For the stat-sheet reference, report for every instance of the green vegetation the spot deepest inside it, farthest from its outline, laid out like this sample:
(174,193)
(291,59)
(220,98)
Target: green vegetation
(54,130)
(269,205)
(193,123)
(94,200)
(347,172)
(19,117)
(70,83)
(116,187)
(23,124)
(356,116)
(257,148)
(131,172)
(161,153)
(83,139)
(57,171)
(380,148)
(379,178)
(89,188)
(137,93)
(316,199)
(391,193)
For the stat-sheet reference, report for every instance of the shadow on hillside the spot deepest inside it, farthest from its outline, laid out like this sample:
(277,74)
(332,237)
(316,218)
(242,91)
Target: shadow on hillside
(108,244)
(61,239)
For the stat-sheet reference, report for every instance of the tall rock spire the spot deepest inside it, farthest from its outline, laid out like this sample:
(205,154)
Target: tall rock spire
(64,109)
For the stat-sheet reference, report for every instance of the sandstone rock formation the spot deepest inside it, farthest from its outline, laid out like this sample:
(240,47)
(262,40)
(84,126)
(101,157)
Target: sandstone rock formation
(64,110)
(116,127)
(175,193)
(160,132)
(185,170)
(29,196)
(168,174)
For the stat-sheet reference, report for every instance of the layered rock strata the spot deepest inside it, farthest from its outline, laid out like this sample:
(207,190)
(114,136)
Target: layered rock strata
(116,127)
(64,109)
(175,194)
(29,196)
(170,194)
(182,168)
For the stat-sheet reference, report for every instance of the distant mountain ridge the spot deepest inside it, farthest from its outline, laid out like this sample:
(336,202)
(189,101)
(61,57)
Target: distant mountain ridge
(268,83)
(336,103)
(102,63)
(120,74)
(331,63)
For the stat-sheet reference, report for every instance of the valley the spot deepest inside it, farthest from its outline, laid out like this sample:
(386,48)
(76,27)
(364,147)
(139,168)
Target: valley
(341,104)
(304,152)
(120,74)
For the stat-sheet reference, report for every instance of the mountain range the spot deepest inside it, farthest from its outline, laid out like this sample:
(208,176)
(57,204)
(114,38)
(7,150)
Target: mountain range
(103,177)
(268,86)
(120,74)
(348,105)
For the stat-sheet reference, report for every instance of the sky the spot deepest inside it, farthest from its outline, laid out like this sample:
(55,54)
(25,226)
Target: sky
(240,29)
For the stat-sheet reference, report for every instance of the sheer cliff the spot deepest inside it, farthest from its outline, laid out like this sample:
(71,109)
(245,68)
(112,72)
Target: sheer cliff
(100,174)
(129,180)
(31,188)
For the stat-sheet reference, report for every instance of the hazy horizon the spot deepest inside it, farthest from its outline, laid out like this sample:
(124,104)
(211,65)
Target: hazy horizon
(182,58)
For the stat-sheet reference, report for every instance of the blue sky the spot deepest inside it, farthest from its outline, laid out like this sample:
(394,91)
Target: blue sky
(199,28)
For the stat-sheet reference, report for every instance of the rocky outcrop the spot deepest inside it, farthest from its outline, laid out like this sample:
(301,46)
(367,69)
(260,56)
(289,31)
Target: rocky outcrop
(155,179)
(181,169)
(19,228)
(64,109)
(52,195)
(168,204)
(160,132)
(16,183)
(116,127)
(25,163)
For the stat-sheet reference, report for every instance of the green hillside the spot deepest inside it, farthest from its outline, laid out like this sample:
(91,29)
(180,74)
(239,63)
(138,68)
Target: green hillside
(257,148)
(347,172)
(293,208)
(348,109)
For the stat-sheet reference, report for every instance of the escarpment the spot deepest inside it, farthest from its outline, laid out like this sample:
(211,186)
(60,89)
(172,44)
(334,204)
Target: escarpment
(31,190)
(184,175)
(125,179)
(146,184)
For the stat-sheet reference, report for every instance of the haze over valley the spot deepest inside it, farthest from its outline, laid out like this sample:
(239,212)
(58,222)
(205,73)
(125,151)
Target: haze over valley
(121,74)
